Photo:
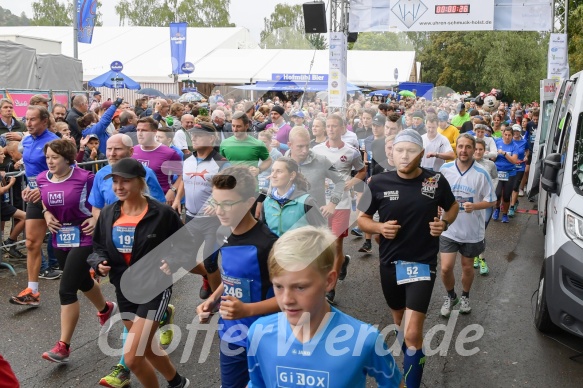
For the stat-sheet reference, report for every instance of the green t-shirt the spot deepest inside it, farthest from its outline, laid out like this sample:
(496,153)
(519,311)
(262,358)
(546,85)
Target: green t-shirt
(458,121)
(247,151)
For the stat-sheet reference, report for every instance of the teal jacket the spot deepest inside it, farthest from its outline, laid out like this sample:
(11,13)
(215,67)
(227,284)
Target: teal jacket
(293,214)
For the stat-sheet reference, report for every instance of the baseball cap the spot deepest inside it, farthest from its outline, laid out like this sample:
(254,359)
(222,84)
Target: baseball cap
(299,113)
(460,107)
(117,113)
(97,93)
(419,114)
(106,105)
(442,115)
(379,120)
(516,128)
(93,136)
(518,113)
(203,127)
(409,135)
(127,168)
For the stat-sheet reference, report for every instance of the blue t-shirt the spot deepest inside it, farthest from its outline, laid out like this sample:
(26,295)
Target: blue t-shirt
(522,146)
(503,164)
(102,192)
(33,155)
(341,354)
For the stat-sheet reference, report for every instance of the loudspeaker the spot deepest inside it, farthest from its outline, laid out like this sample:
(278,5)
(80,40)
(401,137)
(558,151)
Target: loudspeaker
(315,17)
(352,37)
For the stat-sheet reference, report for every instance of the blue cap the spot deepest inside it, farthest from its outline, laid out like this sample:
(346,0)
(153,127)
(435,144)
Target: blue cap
(442,115)
(298,114)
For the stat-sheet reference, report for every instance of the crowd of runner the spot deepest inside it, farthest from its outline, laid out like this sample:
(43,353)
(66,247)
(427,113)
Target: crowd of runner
(269,189)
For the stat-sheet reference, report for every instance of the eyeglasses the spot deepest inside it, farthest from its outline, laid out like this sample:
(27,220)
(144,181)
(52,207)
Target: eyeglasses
(226,206)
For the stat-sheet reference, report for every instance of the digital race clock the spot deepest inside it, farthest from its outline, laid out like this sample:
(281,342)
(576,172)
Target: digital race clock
(459,8)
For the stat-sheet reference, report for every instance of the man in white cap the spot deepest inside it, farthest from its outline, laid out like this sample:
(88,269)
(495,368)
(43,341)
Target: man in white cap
(409,227)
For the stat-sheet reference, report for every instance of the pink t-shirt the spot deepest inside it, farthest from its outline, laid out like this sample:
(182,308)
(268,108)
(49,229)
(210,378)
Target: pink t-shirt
(163,160)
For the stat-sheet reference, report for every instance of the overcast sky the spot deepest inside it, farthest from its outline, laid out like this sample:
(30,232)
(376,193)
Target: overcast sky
(244,13)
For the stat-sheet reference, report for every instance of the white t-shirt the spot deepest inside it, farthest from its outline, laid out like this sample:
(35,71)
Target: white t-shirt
(179,140)
(351,139)
(439,144)
(343,159)
(474,185)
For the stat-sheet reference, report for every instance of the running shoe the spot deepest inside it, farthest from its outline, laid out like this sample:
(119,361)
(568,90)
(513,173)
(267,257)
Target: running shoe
(12,251)
(448,305)
(26,298)
(118,378)
(50,274)
(205,289)
(59,353)
(465,305)
(521,193)
(484,270)
(356,232)
(183,384)
(366,247)
(510,213)
(476,262)
(167,333)
(344,269)
(505,218)
(496,214)
(104,319)
(330,297)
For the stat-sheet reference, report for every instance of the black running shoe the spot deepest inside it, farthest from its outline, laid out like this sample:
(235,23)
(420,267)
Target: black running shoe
(330,297)
(366,247)
(344,269)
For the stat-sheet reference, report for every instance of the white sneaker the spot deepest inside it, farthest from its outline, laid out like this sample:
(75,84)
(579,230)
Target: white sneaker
(465,305)
(521,193)
(448,305)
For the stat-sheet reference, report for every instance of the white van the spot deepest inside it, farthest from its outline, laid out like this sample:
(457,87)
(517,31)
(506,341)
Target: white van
(559,145)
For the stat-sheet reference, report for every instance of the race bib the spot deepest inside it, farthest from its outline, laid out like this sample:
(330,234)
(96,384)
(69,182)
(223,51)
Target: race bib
(32,182)
(263,182)
(533,138)
(123,238)
(330,186)
(240,288)
(503,175)
(408,272)
(68,237)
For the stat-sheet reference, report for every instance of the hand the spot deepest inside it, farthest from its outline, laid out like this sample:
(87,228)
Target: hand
(2,175)
(205,309)
(328,210)
(176,205)
(436,227)
(170,197)
(165,268)
(11,181)
(390,229)
(254,171)
(32,195)
(468,207)
(431,155)
(52,223)
(93,153)
(232,308)
(103,268)
(210,211)
(500,152)
(275,143)
(88,226)
(83,142)
(18,164)
(349,184)
(14,136)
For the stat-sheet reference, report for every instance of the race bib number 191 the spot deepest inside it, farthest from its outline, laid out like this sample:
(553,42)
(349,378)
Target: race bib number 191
(409,272)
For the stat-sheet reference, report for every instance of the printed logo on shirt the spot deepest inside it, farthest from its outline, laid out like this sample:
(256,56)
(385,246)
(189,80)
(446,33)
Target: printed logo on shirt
(392,195)
(429,185)
(343,158)
(56,198)
(296,378)
(461,199)
(198,174)
(145,162)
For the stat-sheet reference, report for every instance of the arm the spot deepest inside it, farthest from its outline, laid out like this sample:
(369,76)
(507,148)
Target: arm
(99,254)
(232,308)
(511,158)
(264,165)
(360,175)
(105,120)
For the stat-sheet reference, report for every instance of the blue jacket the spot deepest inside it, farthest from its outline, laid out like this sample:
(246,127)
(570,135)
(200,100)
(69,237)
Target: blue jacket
(293,214)
(100,128)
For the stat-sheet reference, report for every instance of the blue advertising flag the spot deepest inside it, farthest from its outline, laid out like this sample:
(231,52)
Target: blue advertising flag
(86,13)
(178,46)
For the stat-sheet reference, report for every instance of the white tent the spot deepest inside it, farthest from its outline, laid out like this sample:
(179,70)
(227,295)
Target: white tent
(365,68)
(144,51)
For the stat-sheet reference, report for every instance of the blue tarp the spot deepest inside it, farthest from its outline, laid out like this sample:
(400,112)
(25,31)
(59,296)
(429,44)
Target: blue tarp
(290,86)
(423,89)
(106,80)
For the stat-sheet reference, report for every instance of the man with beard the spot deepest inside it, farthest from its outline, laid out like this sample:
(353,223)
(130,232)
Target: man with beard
(59,112)
(407,201)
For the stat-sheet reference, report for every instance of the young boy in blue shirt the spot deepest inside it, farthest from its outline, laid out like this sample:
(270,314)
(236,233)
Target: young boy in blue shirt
(310,343)
(245,293)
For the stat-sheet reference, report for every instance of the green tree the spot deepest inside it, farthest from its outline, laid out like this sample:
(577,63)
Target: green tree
(160,13)
(7,18)
(575,39)
(382,41)
(57,13)
(284,29)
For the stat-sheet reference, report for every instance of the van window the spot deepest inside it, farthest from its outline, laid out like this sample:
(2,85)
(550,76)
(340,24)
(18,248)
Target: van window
(564,139)
(578,158)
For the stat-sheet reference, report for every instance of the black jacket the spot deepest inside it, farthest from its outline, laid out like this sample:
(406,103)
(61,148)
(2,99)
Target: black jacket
(226,129)
(130,130)
(159,223)
(16,127)
(71,119)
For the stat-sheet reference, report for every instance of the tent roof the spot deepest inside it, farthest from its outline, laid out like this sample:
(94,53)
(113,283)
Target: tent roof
(365,68)
(144,51)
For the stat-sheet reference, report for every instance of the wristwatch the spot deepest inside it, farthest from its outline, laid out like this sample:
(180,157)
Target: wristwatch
(446,222)
(335,200)
(173,189)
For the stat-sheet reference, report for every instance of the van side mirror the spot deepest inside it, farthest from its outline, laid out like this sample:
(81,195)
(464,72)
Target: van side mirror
(550,171)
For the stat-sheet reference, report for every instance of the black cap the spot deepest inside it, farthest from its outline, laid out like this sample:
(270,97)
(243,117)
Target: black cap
(419,114)
(203,128)
(127,168)
(279,109)
(379,120)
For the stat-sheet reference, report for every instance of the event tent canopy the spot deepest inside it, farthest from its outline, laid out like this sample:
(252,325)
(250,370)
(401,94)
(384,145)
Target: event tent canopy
(290,86)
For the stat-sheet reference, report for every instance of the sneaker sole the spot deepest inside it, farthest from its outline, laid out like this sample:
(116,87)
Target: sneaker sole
(49,358)
(365,250)
(484,273)
(106,384)
(356,234)
(465,312)
(30,304)
(108,324)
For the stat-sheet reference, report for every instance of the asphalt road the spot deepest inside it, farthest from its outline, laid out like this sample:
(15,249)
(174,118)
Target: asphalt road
(502,347)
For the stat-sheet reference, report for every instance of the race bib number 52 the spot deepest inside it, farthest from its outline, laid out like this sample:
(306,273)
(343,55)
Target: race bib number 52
(409,272)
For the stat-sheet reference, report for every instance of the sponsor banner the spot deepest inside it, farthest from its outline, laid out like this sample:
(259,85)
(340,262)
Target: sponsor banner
(20,100)
(178,46)
(86,14)
(523,15)
(299,77)
(549,88)
(337,80)
(558,64)
(61,98)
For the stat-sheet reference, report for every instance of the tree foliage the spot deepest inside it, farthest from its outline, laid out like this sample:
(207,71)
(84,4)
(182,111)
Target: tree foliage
(477,61)
(382,41)
(57,13)
(575,41)
(7,18)
(284,29)
(160,13)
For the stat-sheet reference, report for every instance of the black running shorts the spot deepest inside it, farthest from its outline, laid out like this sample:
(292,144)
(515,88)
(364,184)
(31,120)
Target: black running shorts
(414,296)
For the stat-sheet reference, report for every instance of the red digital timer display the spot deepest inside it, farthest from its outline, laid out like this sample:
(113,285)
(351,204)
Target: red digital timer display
(459,8)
